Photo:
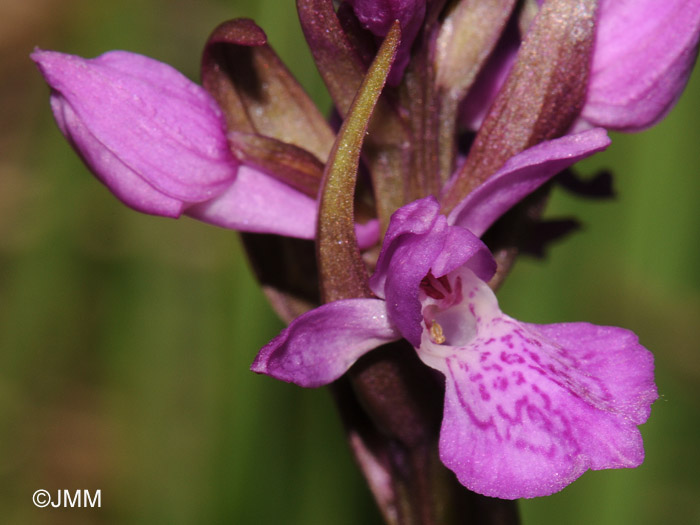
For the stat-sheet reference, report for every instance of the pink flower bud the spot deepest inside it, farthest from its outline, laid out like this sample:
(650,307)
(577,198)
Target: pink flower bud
(153,137)
(378,15)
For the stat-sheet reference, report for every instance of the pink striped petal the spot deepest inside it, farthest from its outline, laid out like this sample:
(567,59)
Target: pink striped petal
(521,175)
(322,344)
(529,408)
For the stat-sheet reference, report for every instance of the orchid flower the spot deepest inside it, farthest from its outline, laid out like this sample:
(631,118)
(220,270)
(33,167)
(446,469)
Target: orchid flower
(158,142)
(528,408)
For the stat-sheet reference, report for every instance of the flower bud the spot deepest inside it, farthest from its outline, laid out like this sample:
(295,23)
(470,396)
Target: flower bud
(378,15)
(153,137)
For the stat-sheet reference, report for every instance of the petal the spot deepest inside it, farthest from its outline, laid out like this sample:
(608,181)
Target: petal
(521,175)
(416,218)
(410,263)
(529,408)
(256,202)
(121,180)
(624,368)
(643,56)
(321,345)
(163,127)
(461,248)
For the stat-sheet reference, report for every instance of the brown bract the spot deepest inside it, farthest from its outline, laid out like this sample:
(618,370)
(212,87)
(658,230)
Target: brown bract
(257,92)
(274,127)
(296,166)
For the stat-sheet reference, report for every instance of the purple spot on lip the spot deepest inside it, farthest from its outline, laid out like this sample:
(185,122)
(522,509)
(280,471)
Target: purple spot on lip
(489,341)
(484,356)
(484,394)
(549,452)
(537,369)
(501,383)
(475,377)
(533,356)
(511,358)
(519,377)
(538,418)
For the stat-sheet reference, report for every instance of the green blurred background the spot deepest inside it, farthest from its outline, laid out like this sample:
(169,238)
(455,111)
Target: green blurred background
(125,339)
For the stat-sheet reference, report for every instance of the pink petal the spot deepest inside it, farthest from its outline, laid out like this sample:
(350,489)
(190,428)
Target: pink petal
(256,202)
(322,344)
(416,218)
(163,127)
(367,233)
(529,408)
(122,181)
(521,175)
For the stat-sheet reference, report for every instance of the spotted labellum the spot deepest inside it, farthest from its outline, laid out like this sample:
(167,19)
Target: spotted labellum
(380,234)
